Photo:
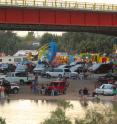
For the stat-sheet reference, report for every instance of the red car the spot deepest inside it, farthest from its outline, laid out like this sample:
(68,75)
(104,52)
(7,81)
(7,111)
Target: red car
(59,86)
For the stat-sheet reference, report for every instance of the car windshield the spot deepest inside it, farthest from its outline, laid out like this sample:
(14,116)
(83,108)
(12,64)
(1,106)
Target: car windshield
(54,84)
(107,86)
(4,65)
(40,66)
(8,74)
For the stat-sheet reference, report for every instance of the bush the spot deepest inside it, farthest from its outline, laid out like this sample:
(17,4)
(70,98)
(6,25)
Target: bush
(2,121)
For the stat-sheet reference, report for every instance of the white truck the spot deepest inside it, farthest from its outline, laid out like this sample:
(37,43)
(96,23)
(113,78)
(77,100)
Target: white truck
(18,77)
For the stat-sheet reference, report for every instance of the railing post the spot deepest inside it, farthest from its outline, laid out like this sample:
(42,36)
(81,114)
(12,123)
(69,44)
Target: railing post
(61,4)
(34,2)
(112,7)
(103,7)
(85,5)
(44,3)
(5,1)
(69,5)
(52,4)
(11,2)
(55,3)
(75,4)
(65,4)
(94,6)
(23,2)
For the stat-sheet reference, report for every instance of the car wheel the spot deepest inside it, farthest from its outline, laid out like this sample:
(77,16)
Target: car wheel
(21,82)
(60,76)
(15,90)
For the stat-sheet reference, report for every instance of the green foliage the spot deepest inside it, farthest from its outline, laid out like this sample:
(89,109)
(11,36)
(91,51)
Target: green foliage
(87,42)
(2,121)
(58,116)
(96,117)
(9,42)
(64,104)
(30,37)
(47,38)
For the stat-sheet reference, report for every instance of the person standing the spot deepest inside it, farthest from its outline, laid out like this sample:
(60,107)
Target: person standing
(85,93)
(35,85)
(2,92)
(114,93)
(81,94)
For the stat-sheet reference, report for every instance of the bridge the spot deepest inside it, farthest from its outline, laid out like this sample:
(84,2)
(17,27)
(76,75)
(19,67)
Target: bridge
(35,15)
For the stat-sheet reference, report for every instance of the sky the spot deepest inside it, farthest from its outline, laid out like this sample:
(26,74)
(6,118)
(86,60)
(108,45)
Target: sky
(23,33)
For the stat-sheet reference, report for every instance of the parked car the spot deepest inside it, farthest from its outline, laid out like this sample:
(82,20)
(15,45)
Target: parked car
(59,72)
(25,66)
(99,68)
(105,89)
(39,68)
(108,76)
(21,68)
(9,87)
(64,66)
(20,77)
(77,63)
(75,67)
(60,86)
(5,68)
(43,73)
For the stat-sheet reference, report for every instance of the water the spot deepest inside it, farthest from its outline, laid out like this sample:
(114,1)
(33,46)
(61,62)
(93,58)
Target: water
(35,111)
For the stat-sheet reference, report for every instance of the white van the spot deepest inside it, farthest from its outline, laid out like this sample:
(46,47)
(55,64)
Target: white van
(58,72)
(12,59)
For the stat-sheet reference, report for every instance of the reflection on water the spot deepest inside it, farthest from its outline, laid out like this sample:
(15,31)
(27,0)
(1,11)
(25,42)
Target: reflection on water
(35,111)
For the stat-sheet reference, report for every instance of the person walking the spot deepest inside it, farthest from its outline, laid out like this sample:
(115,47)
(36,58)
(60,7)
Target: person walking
(114,93)
(81,94)
(35,85)
(2,89)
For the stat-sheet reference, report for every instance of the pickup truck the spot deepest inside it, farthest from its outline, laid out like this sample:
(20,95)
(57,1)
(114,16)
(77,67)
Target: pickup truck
(19,77)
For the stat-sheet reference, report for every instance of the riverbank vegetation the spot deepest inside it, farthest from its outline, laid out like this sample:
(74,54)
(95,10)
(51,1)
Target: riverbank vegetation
(2,121)
(96,114)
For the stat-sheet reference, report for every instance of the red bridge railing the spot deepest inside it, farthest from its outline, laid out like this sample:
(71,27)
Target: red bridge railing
(61,5)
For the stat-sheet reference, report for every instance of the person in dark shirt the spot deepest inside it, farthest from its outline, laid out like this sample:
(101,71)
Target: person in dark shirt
(85,93)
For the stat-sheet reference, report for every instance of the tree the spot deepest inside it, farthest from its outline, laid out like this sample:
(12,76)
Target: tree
(30,37)
(87,42)
(47,38)
(9,42)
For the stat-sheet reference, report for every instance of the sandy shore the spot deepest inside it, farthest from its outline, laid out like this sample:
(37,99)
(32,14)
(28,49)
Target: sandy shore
(72,91)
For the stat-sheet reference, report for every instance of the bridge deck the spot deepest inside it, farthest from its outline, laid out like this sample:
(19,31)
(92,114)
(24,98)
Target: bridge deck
(60,5)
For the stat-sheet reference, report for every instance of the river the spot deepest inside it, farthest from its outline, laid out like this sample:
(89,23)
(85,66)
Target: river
(35,111)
